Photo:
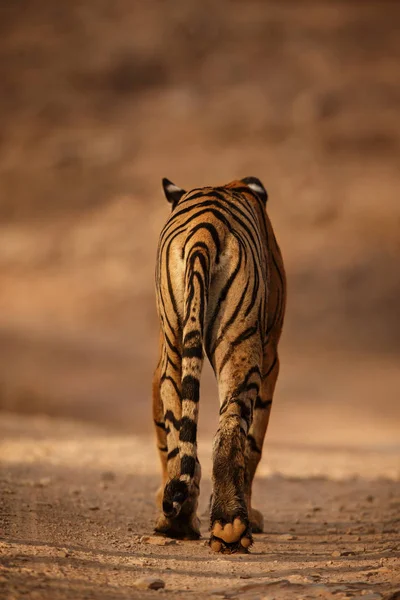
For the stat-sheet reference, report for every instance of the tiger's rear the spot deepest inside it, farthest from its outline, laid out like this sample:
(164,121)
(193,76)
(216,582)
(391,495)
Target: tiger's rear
(220,287)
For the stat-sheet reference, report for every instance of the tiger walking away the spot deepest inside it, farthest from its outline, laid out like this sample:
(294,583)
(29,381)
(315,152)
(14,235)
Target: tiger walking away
(221,290)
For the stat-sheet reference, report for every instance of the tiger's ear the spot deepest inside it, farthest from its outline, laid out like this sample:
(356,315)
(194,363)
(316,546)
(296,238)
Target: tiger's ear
(256,186)
(172,192)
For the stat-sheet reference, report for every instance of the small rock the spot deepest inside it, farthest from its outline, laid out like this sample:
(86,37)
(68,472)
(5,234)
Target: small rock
(297,578)
(43,482)
(316,508)
(94,507)
(384,570)
(149,583)
(156,540)
(370,498)
(336,553)
(287,537)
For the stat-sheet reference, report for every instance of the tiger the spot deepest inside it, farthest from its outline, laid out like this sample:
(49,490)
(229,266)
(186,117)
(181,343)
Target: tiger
(220,291)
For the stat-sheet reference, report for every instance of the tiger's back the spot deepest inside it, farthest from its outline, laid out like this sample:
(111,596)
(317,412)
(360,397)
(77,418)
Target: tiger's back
(220,287)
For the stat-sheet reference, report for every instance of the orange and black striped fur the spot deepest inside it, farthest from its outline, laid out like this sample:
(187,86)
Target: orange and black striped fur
(220,286)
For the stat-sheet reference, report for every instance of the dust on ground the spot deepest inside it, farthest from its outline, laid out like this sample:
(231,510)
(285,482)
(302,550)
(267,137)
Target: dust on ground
(100,101)
(77,511)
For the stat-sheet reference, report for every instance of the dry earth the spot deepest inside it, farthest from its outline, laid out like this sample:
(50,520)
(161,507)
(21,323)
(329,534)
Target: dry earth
(77,512)
(100,101)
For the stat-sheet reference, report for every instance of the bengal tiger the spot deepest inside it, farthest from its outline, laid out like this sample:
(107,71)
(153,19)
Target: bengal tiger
(221,289)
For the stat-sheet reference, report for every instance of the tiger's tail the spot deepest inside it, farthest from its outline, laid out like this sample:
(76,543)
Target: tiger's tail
(199,262)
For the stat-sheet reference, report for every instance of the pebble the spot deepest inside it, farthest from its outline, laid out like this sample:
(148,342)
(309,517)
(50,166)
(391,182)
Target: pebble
(296,578)
(156,541)
(149,583)
(43,482)
(336,553)
(287,537)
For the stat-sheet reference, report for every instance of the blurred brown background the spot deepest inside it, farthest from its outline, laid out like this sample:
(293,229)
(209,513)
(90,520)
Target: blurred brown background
(99,100)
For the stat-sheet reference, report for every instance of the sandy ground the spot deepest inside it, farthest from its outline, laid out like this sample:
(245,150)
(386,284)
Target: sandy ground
(100,101)
(77,510)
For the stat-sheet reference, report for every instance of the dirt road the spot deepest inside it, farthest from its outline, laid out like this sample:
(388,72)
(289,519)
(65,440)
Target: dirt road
(77,511)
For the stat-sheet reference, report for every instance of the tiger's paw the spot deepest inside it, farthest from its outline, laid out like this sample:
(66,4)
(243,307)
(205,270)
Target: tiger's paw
(231,538)
(256,521)
(181,528)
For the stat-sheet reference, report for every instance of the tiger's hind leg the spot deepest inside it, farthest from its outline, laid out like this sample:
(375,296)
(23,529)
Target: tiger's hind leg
(239,380)
(160,429)
(255,437)
(167,418)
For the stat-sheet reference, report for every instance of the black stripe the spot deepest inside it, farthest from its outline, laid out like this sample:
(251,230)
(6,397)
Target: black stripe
(168,378)
(245,335)
(171,292)
(194,352)
(169,416)
(197,245)
(253,444)
(171,362)
(222,298)
(254,292)
(190,336)
(188,431)
(202,299)
(173,348)
(188,465)
(245,409)
(262,404)
(231,319)
(190,388)
(159,424)
(163,448)
(235,396)
(212,231)
(265,375)
(202,193)
(173,453)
